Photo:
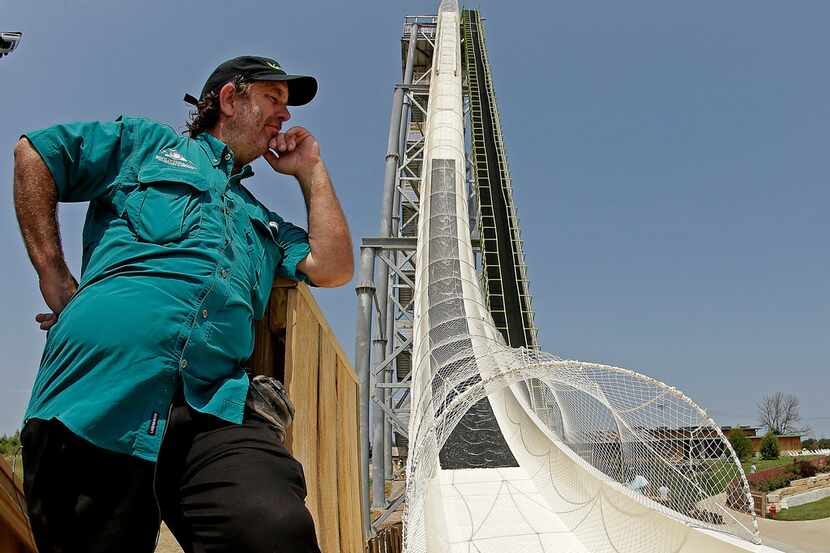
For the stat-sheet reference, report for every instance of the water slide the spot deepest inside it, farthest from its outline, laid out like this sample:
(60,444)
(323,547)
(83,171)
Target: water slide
(604,459)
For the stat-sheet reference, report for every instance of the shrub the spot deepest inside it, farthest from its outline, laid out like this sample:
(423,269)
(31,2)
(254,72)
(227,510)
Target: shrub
(9,445)
(740,443)
(769,447)
(775,482)
(806,469)
(808,443)
(823,443)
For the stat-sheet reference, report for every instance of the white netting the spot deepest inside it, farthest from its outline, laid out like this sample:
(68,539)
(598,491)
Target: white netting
(624,461)
(607,427)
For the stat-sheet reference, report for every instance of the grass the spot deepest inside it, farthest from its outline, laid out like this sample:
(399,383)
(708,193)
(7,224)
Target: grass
(808,511)
(762,464)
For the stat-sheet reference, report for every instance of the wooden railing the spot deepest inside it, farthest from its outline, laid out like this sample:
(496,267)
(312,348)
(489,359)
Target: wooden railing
(295,344)
(15,536)
(387,540)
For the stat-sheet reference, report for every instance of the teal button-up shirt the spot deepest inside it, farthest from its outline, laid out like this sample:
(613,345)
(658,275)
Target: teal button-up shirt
(178,261)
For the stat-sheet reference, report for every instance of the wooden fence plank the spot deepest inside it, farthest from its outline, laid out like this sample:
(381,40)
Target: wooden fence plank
(387,540)
(302,388)
(263,358)
(288,377)
(348,462)
(327,447)
(279,307)
(15,535)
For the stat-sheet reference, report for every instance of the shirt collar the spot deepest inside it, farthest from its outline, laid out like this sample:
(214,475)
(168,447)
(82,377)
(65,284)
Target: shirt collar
(217,152)
(213,147)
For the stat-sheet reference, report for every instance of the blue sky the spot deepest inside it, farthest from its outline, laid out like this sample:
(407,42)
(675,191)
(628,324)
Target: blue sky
(669,163)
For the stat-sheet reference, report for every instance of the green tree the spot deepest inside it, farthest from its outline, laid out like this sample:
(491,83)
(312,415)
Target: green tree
(9,444)
(808,443)
(740,443)
(823,443)
(769,447)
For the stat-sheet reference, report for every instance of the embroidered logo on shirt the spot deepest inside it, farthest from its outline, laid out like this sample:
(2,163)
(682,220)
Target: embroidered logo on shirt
(171,157)
(154,423)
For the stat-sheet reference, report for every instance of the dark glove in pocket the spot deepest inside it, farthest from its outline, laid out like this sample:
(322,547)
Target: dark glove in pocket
(268,399)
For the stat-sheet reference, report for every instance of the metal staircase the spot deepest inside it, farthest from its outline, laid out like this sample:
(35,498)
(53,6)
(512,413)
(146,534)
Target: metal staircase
(504,271)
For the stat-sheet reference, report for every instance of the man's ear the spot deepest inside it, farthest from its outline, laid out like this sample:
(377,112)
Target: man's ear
(227,99)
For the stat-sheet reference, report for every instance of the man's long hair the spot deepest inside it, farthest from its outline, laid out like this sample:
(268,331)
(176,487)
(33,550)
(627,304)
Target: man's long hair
(207,111)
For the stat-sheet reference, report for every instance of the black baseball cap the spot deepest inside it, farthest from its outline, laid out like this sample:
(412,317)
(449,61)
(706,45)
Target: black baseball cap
(301,88)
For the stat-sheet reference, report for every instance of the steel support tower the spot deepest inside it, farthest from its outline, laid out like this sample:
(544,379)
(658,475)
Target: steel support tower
(383,348)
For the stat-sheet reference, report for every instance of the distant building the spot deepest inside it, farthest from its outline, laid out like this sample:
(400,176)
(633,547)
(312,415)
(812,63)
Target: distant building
(786,442)
(683,445)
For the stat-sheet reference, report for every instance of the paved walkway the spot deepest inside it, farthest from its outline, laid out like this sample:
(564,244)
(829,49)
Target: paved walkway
(803,536)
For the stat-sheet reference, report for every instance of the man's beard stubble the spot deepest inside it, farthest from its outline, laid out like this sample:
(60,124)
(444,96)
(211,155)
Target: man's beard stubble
(244,135)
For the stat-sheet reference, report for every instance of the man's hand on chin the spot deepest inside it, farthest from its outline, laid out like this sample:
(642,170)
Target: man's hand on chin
(297,153)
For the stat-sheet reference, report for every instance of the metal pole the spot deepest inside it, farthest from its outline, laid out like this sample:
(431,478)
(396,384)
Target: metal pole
(387,378)
(378,418)
(379,345)
(407,79)
(396,230)
(365,290)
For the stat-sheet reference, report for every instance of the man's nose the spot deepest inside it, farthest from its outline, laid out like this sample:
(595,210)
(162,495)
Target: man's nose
(283,114)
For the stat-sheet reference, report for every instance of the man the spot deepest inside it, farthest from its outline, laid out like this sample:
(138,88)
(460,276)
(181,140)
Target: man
(142,409)
(638,483)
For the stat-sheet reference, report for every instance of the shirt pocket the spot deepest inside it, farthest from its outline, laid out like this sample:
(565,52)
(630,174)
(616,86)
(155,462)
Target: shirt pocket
(166,207)
(265,255)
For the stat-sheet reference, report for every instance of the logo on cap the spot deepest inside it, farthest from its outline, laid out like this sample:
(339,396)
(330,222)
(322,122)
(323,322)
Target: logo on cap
(273,65)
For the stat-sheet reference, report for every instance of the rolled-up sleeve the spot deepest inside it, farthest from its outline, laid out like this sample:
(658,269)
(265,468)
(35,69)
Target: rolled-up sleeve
(84,158)
(293,243)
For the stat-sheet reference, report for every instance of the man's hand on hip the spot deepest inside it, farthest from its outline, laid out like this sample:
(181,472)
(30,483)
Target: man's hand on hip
(57,289)
(298,153)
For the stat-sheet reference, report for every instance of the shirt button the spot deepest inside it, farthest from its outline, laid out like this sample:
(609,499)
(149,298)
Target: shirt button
(183,363)
(227,157)
(223,273)
(204,313)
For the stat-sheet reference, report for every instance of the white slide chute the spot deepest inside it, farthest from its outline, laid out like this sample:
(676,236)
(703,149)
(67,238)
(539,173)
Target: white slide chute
(609,460)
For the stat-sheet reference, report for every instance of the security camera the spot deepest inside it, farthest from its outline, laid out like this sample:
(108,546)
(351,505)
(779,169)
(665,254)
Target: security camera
(8,42)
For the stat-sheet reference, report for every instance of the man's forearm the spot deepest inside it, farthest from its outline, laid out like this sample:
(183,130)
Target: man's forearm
(36,202)
(330,262)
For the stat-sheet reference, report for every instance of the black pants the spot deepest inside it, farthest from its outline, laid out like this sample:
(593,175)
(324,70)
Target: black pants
(221,487)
